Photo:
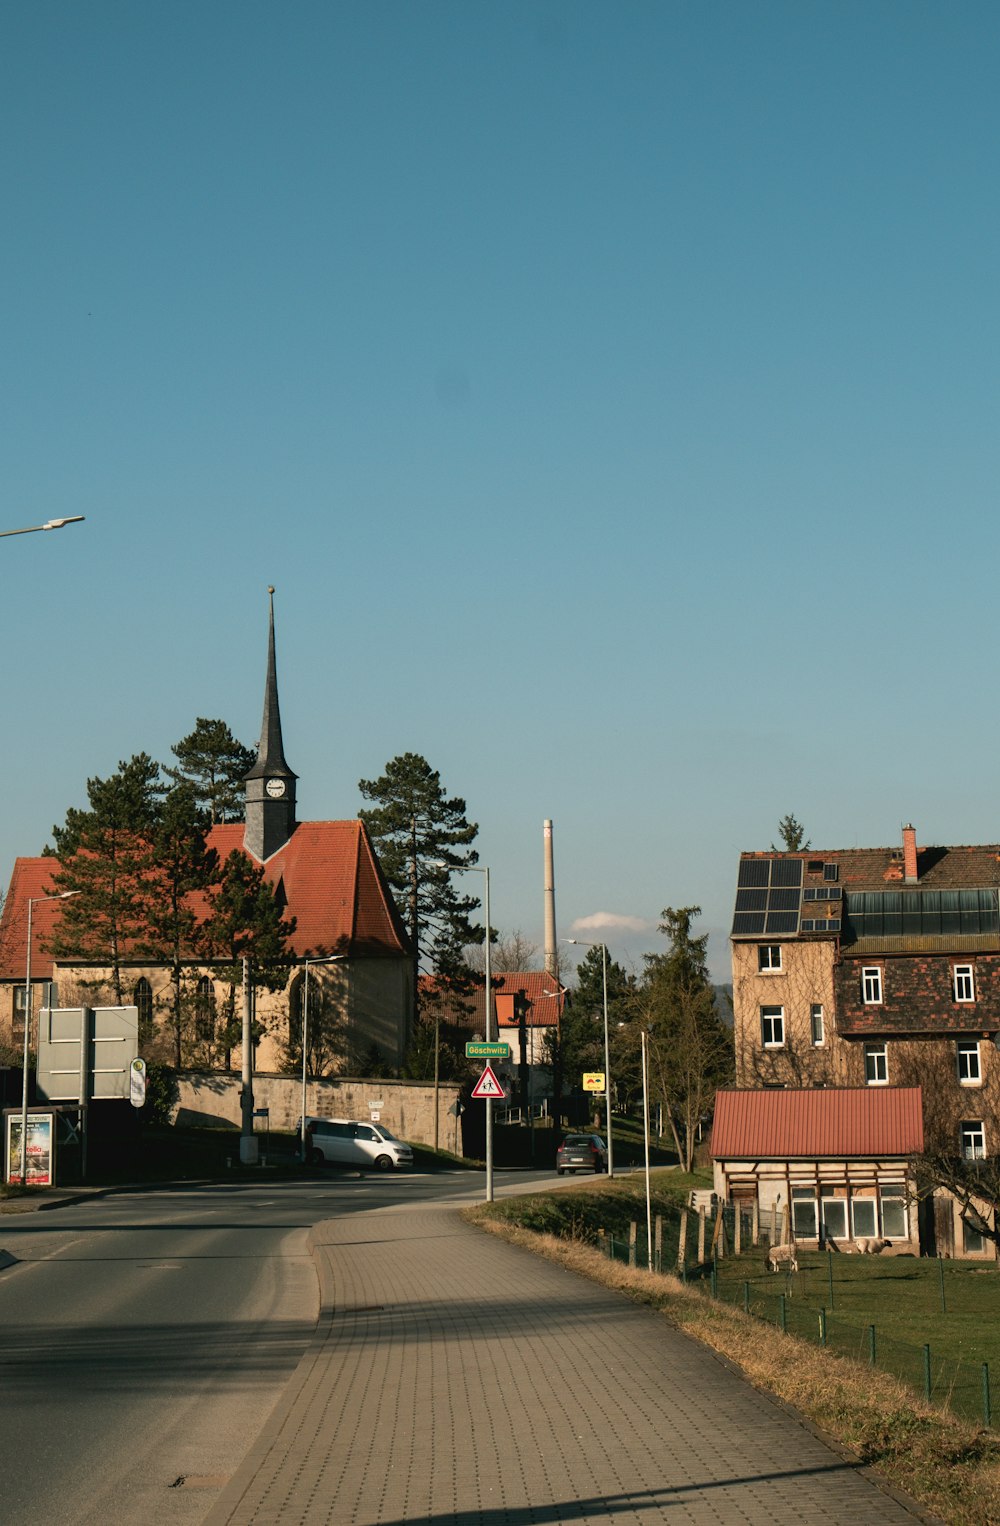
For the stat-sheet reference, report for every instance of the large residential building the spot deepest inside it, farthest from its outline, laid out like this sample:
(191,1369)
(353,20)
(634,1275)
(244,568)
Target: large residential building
(325,875)
(875,967)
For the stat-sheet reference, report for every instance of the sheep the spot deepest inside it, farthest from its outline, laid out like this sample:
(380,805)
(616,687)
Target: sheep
(781,1256)
(871,1247)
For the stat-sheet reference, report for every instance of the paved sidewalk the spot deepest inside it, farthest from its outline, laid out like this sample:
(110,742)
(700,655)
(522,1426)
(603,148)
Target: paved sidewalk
(456,1378)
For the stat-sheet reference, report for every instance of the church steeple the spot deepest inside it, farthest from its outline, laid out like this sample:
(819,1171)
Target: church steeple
(270,784)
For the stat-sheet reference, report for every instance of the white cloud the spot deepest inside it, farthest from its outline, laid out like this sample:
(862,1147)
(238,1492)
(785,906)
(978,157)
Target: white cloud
(609,921)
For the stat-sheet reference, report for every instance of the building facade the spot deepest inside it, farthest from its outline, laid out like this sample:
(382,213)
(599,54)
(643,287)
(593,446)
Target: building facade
(348,942)
(875,967)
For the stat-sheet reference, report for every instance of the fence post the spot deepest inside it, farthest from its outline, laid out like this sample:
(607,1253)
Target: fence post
(822,1327)
(987,1417)
(715,1279)
(927,1372)
(944,1306)
(783,1312)
(611,1247)
(658,1241)
(756,1222)
(829,1268)
(701,1236)
(746,1298)
(633,1235)
(682,1241)
(737,1230)
(871,1345)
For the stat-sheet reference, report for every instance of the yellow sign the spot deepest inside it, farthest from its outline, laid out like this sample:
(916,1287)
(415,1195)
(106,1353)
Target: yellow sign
(593,1080)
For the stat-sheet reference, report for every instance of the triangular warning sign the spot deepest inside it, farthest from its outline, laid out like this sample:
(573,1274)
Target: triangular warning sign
(488,1085)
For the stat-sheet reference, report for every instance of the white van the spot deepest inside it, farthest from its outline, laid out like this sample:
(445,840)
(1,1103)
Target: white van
(366,1146)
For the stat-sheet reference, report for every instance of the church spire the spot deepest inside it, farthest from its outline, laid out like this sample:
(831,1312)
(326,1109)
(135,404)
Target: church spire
(270,784)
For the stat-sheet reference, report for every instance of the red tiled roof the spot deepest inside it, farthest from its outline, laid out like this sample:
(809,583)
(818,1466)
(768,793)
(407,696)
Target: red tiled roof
(327,875)
(830,1122)
(541,989)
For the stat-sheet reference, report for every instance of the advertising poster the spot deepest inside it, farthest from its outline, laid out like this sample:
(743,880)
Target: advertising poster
(41,1163)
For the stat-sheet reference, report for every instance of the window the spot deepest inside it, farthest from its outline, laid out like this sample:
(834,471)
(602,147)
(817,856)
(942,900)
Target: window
(876,1065)
(871,985)
(834,1218)
(769,956)
(973,1141)
(816,1023)
(142,998)
(863,1218)
(19,1010)
(964,984)
(973,1243)
(204,1010)
(893,1204)
(969,1072)
(804,1218)
(772,1027)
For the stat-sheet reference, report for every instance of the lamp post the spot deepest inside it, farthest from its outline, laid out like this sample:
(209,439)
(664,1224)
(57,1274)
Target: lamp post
(607,1047)
(320,959)
(484,870)
(50,524)
(32,901)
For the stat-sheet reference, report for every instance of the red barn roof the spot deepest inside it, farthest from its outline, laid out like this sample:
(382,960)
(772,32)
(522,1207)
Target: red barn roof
(829,1122)
(326,876)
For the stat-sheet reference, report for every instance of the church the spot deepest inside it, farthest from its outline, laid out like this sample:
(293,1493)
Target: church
(349,949)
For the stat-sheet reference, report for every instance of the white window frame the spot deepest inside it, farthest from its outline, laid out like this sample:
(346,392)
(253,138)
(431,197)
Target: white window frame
(769,958)
(817,1024)
(772,1019)
(833,1208)
(972,1137)
(892,1198)
(876,1065)
(963,982)
(805,1213)
(871,985)
(968,1062)
(866,1205)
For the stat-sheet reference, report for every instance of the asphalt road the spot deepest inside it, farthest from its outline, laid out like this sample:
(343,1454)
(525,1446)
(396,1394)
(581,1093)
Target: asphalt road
(146,1337)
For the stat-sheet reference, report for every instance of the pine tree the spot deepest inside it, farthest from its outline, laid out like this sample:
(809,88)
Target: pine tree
(182,864)
(791,833)
(690,1047)
(216,765)
(106,859)
(245,922)
(419,836)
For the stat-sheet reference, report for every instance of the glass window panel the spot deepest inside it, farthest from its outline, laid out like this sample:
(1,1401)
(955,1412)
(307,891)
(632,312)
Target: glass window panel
(972,1241)
(804,1216)
(863,1218)
(893,1215)
(835,1218)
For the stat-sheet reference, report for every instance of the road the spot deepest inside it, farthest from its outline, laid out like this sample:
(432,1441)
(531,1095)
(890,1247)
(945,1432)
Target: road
(148,1335)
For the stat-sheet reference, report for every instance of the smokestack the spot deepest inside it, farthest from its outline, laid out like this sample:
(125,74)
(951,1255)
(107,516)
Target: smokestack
(910,855)
(551,956)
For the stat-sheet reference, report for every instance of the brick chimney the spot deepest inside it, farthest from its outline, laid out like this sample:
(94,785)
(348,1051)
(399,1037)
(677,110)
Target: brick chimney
(910,855)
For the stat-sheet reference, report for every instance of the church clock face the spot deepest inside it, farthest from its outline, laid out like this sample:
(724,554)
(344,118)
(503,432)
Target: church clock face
(275,788)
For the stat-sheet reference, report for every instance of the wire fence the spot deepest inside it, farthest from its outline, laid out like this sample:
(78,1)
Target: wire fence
(850,1306)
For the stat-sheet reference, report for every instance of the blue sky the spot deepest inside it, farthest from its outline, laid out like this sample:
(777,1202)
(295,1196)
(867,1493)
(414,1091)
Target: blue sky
(609,391)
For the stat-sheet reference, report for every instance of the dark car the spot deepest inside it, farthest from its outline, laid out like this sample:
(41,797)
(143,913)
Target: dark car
(582,1152)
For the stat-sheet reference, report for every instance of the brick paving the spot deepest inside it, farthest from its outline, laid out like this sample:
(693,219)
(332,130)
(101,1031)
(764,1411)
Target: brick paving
(455,1378)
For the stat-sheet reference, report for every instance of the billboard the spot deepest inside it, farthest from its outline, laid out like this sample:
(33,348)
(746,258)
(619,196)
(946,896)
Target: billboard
(41,1149)
(85,1054)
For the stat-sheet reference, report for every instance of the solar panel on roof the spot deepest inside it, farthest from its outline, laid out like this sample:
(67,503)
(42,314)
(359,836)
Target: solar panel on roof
(748,924)
(783,900)
(753,871)
(751,900)
(782,922)
(786,871)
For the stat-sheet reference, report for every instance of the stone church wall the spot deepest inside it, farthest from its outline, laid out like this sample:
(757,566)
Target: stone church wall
(212,1100)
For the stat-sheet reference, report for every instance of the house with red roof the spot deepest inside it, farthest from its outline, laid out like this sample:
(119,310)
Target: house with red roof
(876,969)
(325,875)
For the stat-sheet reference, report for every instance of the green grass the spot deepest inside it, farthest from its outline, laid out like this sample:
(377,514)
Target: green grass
(902,1298)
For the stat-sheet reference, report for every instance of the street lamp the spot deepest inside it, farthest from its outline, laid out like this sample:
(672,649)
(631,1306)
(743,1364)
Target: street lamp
(607,1048)
(36,900)
(320,959)
(50,524)
(483,869)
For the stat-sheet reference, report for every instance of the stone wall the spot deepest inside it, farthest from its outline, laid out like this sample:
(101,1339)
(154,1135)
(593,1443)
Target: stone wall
(212,1100)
